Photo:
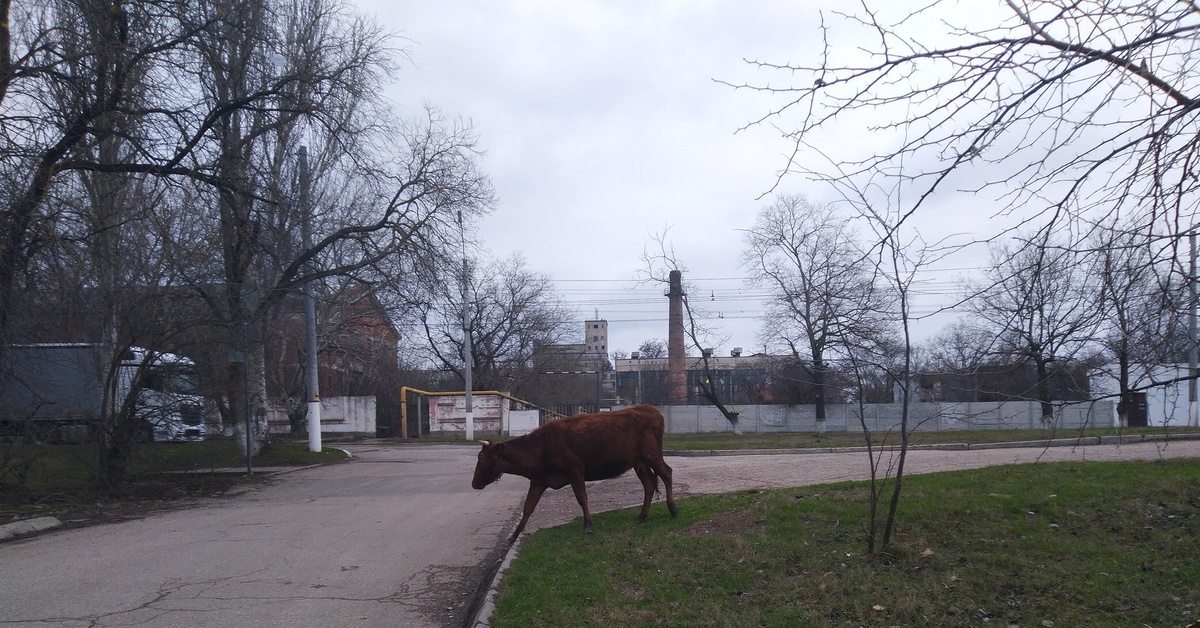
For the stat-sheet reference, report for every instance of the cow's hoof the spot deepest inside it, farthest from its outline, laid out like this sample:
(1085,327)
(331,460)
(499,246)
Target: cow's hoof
(641,520)
(674,511)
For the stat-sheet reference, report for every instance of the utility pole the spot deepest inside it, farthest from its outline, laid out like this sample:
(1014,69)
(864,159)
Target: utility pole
(310,310)
(467,383)
(466,311)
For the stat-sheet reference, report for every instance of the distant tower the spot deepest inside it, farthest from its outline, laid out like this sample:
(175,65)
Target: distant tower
(676,367)
(595,336)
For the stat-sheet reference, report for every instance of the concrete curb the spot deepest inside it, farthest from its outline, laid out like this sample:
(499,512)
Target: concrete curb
(483,617)
(27,526)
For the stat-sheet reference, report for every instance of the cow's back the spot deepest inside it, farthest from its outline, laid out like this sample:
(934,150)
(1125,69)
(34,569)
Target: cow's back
(608,443)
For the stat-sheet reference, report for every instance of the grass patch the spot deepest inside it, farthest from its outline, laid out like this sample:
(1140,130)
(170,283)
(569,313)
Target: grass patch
(808,440)
(59,480)
(1096,544)
(217,454)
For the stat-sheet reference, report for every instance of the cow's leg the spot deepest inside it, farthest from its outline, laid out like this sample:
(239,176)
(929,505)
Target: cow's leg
(646,475)
(664,471)
(531,502)
(580,489)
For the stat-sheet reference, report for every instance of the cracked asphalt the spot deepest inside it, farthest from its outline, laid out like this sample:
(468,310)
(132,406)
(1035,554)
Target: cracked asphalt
(395,537)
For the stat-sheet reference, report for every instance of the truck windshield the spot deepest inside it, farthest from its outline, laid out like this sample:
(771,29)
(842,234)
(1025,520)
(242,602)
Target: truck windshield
(173,378)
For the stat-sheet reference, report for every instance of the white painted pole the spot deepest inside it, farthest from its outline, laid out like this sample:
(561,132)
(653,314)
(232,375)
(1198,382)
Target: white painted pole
(310,313)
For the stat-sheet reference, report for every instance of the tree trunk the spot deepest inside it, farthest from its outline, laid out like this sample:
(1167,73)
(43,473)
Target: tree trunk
(1043,389)
(818,376)
(248,378)
(1126,397)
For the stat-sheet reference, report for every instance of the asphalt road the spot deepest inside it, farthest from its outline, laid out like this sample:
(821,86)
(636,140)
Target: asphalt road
(395,537)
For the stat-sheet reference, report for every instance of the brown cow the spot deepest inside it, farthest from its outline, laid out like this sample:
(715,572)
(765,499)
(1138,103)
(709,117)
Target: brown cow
(582,449)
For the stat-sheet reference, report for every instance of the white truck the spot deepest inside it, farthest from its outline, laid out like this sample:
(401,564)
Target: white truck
(55,391)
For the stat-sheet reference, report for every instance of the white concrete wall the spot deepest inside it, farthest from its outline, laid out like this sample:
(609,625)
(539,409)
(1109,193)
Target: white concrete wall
(881,417)
(449,413)
(1166,404)
(338,414)
(521,422)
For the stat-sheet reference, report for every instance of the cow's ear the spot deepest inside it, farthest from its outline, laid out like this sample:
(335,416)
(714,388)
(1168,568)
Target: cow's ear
(499,450)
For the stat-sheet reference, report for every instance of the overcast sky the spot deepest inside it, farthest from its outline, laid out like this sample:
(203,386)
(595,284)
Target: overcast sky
(603,126)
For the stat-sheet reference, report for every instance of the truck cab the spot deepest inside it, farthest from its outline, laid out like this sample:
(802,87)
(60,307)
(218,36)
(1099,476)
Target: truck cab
(169,401)
(62,391)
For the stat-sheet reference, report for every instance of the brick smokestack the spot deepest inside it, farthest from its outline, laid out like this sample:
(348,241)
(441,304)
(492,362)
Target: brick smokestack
(676,369)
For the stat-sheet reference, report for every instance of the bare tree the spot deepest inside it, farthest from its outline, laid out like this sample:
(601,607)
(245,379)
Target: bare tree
(513,311)
(653,348)
(314,66)
(1138,300)
(821,287)
(213,98)
(955,357)
(1064,108)
(76,89)
(1065,112)
(67,70)
(1040,309)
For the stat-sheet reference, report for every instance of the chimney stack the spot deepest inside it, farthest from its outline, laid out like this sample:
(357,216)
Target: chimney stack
(676,368)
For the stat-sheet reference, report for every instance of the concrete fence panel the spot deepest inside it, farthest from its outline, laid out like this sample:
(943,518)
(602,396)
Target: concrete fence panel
(696,419)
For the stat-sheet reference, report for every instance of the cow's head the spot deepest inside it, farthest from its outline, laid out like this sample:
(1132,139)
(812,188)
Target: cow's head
(488,469)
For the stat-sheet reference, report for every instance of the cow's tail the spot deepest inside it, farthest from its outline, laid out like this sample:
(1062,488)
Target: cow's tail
(658,436)
(657,429)
(649,470)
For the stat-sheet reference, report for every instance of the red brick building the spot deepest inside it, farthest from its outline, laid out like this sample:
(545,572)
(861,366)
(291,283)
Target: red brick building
(357,349)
